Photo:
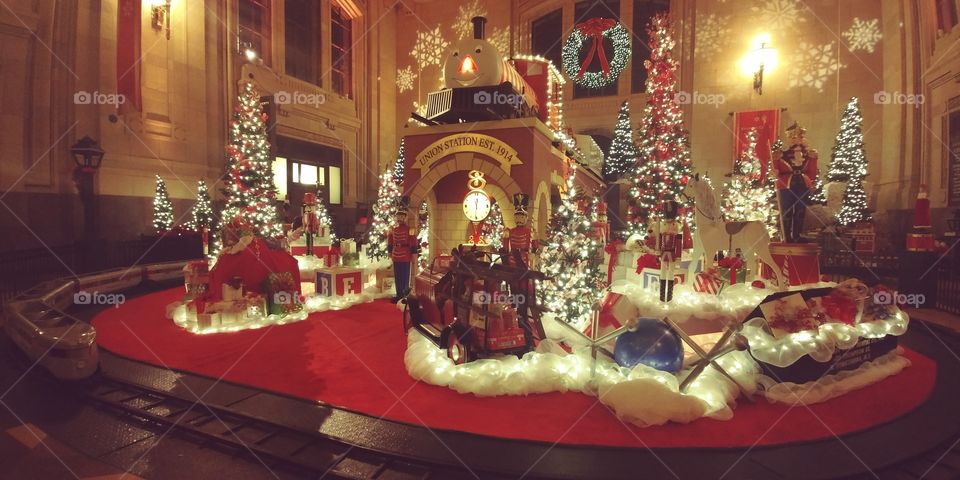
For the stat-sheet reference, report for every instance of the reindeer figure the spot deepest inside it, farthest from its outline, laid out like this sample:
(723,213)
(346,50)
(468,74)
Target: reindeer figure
(713,234)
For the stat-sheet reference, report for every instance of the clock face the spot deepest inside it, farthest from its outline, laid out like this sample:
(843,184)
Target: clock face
(476,206)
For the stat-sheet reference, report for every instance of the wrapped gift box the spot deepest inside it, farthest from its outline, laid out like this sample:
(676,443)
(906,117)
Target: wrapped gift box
(339,281)
(798,262)
(385,279)
(864,238)
(920,242)
(650,277)
(282,293)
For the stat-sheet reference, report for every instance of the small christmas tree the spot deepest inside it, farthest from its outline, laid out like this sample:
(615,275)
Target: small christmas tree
(623,150)
(493,228)
(384,213)
(663,165)
(398,164)
(848,163)
(572,258)
(423,236)
(250,192)
(750,195)
(202,214)
(162,208)
(323,219)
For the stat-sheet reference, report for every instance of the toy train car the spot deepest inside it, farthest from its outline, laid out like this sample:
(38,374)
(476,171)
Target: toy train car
(482,85)
(38,323)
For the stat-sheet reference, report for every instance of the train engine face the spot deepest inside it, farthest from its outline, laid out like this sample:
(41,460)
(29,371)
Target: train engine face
(480,85)
(474,62)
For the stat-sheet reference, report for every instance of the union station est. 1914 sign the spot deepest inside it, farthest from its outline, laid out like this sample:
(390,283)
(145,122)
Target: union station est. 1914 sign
(492,147)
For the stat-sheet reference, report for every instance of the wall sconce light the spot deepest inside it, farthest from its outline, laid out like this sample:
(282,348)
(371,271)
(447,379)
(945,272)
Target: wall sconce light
(160,16)
(760,59)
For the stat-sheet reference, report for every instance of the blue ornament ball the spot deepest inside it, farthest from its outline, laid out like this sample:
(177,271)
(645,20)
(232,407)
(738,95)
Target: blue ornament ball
(653,343)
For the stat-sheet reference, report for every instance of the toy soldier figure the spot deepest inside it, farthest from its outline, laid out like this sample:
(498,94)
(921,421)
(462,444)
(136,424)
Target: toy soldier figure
(402,245)
(521,237)
(670,248)
(601,228)
(311,225)
(796,169)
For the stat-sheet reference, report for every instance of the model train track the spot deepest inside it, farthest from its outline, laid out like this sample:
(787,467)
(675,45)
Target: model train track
(275,445)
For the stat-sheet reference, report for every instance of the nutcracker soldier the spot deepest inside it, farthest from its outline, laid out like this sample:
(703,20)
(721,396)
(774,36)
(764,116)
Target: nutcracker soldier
(308,216)
(669,247)
(402,245)
(796,170)
(601,228)
(521,237)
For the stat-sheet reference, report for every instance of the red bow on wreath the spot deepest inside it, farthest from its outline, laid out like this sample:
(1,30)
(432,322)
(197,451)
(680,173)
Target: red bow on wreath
(594,28)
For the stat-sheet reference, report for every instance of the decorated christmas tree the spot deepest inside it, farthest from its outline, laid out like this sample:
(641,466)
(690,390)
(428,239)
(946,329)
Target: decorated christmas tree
(323,219)
(162,208)
(663,164)
(384,213)
(848,163)
(623,149)
(202,214)
(493,228)
(250,193)
(572,257)
(398,164)
(750,195)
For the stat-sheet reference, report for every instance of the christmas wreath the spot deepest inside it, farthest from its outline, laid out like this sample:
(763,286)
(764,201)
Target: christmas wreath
(595,30)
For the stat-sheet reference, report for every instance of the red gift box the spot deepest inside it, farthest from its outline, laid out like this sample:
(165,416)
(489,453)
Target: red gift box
(799,263)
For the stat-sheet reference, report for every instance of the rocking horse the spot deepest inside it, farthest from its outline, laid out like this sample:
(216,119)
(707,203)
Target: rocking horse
(714,234)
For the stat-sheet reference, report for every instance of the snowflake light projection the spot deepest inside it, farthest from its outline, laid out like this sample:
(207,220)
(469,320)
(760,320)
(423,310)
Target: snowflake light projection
(863,34)
(463,24)
(429,48)
(500,38)
(813,65)
(713,34)
(780,14)
(405,79)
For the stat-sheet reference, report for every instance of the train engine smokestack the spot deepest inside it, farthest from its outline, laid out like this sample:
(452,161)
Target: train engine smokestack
(478,25)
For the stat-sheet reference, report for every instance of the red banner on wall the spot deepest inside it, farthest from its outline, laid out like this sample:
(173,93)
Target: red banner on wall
(767,123)
(128,52)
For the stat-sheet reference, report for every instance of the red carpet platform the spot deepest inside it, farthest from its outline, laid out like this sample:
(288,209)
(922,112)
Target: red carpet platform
(353,359)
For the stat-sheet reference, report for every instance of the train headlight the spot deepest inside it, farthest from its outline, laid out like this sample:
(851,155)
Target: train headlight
(467,65)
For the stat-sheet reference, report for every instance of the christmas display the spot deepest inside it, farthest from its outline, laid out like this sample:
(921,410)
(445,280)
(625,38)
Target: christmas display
(595,31)
(423,235)
(623,150)
(663,165)
(750,195)
(162,208)
(384,213)
(848,163)
(250,193)
(202,217)
(572,258)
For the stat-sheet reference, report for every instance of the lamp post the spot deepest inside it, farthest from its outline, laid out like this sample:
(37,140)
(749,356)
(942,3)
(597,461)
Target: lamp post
(87,155)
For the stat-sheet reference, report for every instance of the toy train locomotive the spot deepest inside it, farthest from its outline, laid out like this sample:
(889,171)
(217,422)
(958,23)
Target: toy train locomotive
(481,84)
(477,306)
